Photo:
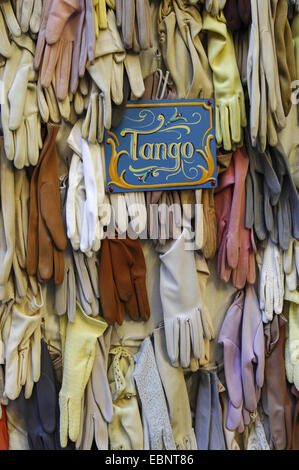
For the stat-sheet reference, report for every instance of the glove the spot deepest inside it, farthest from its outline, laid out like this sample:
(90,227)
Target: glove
(7,219)
(214,7)
(66,40)
(230,336)
(19,110)
(40,411)
(181,302)
(28,15)
(149,384)
(65,293)
(4,438)
(295,35)
(292,339)
(133,19)
(100,9)
(253,350)
(237,14)
(271,288)
(79,348)
(122,280)
(173,382)
(236,245)
(291,264)
(229,96)
(164,214)
(177,24)
(209,224)
(22,348)
(125,429)
(98,410)
(46,237)
(87,280)
(285,54)
(9,17)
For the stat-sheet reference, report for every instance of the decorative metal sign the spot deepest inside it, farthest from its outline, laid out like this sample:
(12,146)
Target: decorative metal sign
(162,144)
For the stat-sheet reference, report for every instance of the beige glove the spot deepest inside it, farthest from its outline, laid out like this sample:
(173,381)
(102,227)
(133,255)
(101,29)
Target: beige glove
(125,430)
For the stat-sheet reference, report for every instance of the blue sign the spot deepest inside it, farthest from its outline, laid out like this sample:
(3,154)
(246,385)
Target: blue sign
(162,145)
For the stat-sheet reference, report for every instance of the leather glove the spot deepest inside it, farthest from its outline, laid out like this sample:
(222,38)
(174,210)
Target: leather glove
(28,15)
(292,338)
(78,348)
(252,351)
(19,109)
(209,224)
(125,429)
(230,336)
(22,348)
(237,14)
(164,215)
(236,245)
(179,29)
(65,293)
(133,20)
(148,383)
(291,265)
(46,237)
(4,438)
(182,303)
(214,7)
(100,9)
(271,281)
(98,407)
(285,53)
(173,382)
(7,216)
(9,17)
(295,35)
(229,96)
(87,282)
(66,40)
(122,280)
(41,410)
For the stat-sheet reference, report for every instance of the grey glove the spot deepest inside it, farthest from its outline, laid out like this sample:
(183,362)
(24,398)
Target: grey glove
(150,388)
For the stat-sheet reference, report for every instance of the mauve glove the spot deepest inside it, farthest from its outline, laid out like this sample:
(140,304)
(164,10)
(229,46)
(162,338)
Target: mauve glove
(253,350)
(230,337)
(237,14)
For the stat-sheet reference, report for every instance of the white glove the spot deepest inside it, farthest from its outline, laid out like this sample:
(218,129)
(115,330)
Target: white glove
(271,288)
(28,14)
(214,6)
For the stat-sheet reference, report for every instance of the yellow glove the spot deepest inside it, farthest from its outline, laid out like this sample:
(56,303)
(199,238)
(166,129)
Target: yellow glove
(100,10)
(78,351)
(229,95)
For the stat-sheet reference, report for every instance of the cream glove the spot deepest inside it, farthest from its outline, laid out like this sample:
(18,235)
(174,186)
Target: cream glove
(28,14)
(125,430)
(214,7)
(291,264)
(292,338)
(229,96)
(271,289)
(78,353)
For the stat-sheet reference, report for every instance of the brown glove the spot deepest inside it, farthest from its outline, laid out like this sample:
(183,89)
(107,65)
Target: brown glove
(122,280)
(285,54)
(46,235)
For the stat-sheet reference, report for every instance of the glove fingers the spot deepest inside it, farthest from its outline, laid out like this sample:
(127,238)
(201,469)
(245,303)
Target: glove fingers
(172,335)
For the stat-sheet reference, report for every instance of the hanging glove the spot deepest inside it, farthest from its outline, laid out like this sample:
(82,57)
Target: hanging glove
(133,20)
(252,351)
(229,95)
(291,265)
(4,438)
(285,53)
(214,7)
(292,338)
(28,15)
(295,35)
(9,17)
(98,407)
(87,281)
(79,348)
(230,336)
(236,243)
(237,14)
(19,110)
(181,302)
(173,382)
(65,293)
(179,28)
(164,215)
(209,224)
(125,429)
(148,383)
(100,9)
(122,280)
(271,281)
(22,348)
(66,40)
(41,410)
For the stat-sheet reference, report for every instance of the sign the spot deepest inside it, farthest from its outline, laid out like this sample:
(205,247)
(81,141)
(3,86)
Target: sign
(162,145)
